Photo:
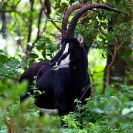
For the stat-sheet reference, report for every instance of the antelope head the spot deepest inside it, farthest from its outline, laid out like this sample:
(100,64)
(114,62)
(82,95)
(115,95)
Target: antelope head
(72,48)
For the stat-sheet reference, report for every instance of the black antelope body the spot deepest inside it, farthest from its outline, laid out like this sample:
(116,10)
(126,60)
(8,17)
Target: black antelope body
(65,77)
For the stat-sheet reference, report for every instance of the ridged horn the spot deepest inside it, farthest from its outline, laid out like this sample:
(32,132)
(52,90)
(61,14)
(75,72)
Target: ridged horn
(66,17)
(71,28)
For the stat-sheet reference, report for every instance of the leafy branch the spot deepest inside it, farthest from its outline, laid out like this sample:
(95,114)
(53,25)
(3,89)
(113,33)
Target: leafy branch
(44,8)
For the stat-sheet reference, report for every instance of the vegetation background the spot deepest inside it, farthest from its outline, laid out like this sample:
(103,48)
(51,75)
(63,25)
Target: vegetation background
(25,38)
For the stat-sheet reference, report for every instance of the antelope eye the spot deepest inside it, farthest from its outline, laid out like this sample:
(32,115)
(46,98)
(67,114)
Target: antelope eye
(70,45)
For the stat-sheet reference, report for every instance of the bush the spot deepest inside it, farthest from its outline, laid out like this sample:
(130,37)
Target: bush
(23,117)
(109,113)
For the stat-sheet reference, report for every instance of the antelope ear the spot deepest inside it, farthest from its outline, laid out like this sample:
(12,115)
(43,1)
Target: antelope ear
(80,40)
(58,37)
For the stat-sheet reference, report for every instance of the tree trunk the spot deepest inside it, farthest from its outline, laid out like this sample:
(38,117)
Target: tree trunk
(118,69)
(3,29)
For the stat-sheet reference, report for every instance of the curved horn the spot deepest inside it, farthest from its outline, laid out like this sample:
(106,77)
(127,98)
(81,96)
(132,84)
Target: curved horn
(66,16)
(71,28)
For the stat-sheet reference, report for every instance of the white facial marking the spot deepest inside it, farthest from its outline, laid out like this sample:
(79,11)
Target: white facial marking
(65,63)
(60,45)
(66,48)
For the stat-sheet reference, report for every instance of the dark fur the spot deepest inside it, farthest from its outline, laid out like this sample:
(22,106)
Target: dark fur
(63,86)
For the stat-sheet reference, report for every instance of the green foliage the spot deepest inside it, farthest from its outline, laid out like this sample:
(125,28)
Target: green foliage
(112,112)
(10,66)
(46,47)
(25,116)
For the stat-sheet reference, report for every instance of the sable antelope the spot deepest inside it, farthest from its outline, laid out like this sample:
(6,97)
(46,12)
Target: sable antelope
(65,77)
(42,70)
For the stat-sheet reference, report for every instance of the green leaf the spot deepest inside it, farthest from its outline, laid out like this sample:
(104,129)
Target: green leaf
(3,58)
(12,64)
(33,55)
(126,43)
(127,53)
(23,63)
(40,43)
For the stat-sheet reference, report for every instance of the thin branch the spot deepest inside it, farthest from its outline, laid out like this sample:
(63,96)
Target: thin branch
(38,25)
(44,8)
(3,28)
(30,22)
(111,63)
(36,76)
(108,68)
(41,32)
